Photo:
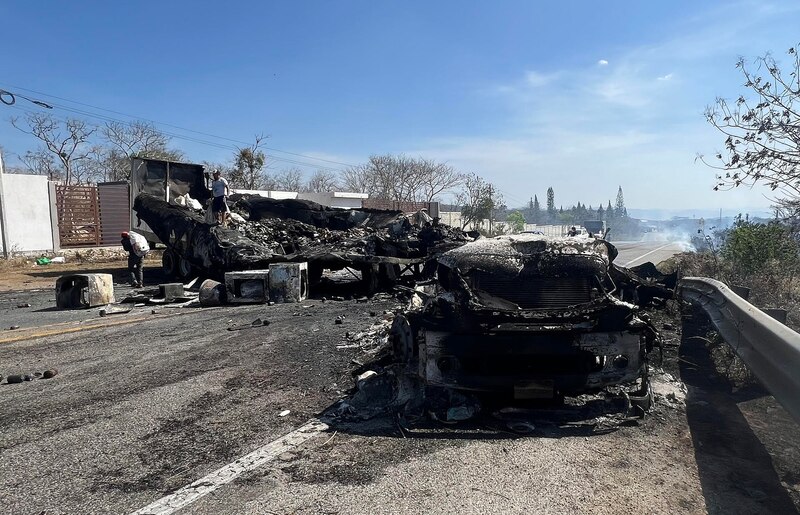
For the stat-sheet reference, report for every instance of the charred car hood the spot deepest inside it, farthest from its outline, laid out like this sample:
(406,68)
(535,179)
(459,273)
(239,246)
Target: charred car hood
(532,255)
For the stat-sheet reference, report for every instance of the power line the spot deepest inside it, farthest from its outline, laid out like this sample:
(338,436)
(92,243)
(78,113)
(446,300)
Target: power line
(180,136)
(170,125)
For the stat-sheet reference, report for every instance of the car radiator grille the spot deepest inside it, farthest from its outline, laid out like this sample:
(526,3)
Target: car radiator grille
(537,292)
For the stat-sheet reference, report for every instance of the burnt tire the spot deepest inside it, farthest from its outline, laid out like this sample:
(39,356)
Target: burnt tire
(169,263)
(370,279)
(185,270)
(402,336)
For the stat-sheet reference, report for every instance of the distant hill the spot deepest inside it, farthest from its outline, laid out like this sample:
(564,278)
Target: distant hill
(708,214)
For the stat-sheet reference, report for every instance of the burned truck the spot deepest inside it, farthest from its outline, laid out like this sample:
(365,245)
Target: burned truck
(381,245)
(527,316)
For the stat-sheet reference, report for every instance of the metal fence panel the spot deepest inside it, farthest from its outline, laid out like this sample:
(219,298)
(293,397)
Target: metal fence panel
(115,211)
(78,216)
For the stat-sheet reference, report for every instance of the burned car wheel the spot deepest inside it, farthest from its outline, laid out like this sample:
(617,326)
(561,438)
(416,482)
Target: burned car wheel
(402,337)
(169,263)
(185,269)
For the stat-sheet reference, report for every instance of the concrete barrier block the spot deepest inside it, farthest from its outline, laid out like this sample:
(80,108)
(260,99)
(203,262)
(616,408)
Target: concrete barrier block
(80,291)
(170,291)
(288,282)
(249,287)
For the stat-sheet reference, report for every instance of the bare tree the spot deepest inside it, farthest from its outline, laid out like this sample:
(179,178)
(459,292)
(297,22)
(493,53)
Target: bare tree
(248,167)
(401,178)
(359,179)
(322,181)
(68,141)
(93,168)
(288,179)
(762,133)
(41,162)
(437,178)
(135,139)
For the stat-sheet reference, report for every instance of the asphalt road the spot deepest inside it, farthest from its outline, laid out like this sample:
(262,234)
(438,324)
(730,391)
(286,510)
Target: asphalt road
(636,253)
(150,403)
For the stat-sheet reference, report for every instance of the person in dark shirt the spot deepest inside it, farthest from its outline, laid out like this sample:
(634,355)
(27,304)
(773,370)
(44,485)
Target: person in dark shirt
(134,262)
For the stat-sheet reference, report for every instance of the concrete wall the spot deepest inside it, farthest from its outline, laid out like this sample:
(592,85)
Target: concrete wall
(279,195)
(453,218)
(26,205)
(342,199)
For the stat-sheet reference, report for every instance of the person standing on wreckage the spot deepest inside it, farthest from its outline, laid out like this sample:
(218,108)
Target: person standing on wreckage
(219,191)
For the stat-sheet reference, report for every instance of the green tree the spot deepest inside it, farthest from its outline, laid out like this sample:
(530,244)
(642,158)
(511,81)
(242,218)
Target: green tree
(751,248)
(248,167)
(516,221)
(551,205)
(619,209)
(478,200)
(536,216)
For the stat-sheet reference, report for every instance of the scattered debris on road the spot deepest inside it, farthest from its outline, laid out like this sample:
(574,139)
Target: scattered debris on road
(255,323)
(21,378)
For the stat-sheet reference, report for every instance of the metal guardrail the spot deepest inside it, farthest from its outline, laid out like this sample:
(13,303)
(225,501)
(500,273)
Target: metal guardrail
(769,349)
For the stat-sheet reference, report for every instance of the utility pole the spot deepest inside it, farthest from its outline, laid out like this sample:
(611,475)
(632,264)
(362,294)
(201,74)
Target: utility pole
(491,208)
(3,228)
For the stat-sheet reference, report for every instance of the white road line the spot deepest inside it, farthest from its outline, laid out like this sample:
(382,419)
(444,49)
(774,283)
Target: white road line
(646,254)
(203,486)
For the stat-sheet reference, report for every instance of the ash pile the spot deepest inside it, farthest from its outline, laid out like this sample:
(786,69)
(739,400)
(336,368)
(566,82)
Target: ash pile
(290,236)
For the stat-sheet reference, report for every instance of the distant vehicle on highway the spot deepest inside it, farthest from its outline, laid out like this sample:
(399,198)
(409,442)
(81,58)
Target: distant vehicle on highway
(595,227)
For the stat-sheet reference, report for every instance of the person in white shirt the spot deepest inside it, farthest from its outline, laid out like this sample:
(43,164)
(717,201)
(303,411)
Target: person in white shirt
(219,190)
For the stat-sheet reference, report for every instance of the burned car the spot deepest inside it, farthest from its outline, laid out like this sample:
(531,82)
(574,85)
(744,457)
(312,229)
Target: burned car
(528,316)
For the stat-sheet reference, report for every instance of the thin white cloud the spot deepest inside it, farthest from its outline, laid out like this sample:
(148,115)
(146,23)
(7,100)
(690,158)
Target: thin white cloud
(602,62)
(537,79)
(666,77)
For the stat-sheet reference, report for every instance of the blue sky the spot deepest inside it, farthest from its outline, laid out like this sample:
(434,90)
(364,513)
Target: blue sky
(580,96)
